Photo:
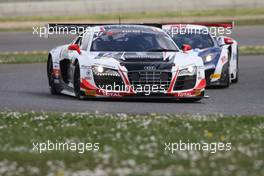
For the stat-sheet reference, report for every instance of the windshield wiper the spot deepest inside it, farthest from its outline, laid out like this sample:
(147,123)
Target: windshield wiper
(161,50)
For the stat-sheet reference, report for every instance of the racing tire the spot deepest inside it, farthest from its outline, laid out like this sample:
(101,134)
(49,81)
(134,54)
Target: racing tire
(237,72)
(77,81)
(52,86)
(226,76)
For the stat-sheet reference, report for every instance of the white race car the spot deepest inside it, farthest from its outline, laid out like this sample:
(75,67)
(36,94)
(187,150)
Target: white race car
(125,61)
(220,54)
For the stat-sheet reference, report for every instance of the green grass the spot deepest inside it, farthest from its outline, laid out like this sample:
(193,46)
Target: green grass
(241,16)
(232,12)
(249,22)
(130,144)
(251,50)
(22,57)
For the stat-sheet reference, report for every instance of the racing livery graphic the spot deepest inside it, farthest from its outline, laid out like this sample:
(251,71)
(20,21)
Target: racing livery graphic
(219,53)
(125,61)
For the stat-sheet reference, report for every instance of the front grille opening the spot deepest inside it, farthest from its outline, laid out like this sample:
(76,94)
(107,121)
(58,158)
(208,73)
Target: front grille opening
(146,78)
(185,82)
(113,83)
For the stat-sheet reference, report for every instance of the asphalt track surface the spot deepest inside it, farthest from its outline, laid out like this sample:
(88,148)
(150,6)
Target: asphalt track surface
(25,87)
(26,41)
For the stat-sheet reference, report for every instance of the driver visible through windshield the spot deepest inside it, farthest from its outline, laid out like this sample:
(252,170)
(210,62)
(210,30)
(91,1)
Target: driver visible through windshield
(195,40)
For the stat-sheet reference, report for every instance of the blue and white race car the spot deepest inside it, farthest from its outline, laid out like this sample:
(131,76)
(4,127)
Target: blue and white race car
(220,54)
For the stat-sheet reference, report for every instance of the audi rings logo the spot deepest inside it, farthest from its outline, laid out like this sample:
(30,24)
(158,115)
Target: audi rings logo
(149,68)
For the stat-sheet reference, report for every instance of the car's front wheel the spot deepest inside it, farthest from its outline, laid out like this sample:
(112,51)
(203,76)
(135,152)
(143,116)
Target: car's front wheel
(77,81)
(53,88)
(237,71)
(225,75)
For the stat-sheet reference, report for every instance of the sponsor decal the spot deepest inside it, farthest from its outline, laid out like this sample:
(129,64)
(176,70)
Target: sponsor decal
(215,76)
(185,94)
(112,94)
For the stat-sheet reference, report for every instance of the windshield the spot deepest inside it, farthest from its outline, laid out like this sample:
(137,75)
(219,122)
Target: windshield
(132,41)
(200,41)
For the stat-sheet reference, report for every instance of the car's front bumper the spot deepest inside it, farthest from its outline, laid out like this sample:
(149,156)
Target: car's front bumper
(213,75)
(88,90)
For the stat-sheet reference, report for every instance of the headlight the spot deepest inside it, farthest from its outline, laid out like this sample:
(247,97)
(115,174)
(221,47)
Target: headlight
(208,58)
(189,70)
(99,69)
(102,71)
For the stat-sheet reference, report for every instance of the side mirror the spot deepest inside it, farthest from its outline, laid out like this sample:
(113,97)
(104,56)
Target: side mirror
(222,40)
(228,41)
(75,47)
(186,48)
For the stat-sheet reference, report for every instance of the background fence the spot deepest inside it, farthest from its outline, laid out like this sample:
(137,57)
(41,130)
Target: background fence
(80,7)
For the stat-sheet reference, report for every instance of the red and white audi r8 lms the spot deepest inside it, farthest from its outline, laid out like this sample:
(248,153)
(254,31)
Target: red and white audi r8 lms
(125,61)
(219,53)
